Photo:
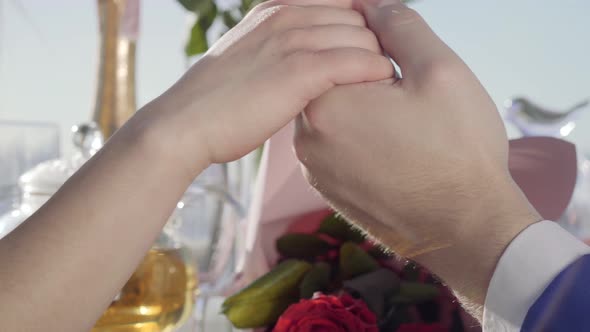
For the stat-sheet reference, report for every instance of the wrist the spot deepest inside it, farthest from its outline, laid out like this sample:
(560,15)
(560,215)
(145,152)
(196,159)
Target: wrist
(468,265)
(155,130)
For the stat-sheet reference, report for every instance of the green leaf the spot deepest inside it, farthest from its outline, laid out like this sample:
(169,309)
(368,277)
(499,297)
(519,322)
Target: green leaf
(197,43)
(317,279)
(281,279)
(374,288)
(207,13)
(245,6)
(229,20)
(259,314)
(414,293)
(263,301)
(338,228)
(354,261)
(304,246)
(400,299)
(189,5)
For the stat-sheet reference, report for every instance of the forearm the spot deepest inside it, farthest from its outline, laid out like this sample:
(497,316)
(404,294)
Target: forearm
(65,264)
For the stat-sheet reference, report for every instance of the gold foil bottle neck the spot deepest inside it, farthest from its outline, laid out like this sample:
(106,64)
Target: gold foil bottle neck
(115,93)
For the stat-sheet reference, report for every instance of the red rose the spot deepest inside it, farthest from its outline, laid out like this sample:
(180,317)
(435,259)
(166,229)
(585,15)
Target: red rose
(421,327)
(327,313)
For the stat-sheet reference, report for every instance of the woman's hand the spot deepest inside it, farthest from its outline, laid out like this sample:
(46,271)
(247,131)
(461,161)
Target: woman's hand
(99,225)
(262,73)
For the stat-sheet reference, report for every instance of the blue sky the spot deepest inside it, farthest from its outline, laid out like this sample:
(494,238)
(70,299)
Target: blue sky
(537,48)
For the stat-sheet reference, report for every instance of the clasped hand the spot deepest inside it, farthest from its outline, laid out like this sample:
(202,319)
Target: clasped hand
(418,162)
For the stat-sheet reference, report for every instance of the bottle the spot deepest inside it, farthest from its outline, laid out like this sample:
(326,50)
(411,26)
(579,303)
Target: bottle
(115,91)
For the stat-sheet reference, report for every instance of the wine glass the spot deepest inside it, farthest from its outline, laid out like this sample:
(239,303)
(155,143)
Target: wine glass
(191,262)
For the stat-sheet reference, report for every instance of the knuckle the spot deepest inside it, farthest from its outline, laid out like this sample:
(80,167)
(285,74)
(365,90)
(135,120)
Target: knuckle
(370,38)
(441,74)
(289,39)
(316,119)
(299,62)
(307,73)
(353,60)
(358,18)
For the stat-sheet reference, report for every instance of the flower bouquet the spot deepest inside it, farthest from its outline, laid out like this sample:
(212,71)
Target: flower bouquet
(330,278)
(306,269)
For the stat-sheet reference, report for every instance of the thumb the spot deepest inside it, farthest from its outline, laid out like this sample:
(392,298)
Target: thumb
(404,35)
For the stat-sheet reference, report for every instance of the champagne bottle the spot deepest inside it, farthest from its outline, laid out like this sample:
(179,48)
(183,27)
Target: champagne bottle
(115,92)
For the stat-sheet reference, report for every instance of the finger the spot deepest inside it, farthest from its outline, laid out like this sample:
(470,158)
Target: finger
(307,75)
(304,3)
(352,65)
(293,17)
(330,67)
(405,36)
(323,37)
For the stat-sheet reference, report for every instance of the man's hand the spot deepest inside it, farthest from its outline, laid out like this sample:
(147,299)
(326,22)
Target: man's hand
(419,162)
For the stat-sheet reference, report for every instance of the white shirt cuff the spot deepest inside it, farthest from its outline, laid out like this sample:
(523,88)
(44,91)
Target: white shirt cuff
(529,264)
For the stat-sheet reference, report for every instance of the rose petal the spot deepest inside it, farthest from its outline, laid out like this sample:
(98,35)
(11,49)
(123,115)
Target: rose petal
(327,313)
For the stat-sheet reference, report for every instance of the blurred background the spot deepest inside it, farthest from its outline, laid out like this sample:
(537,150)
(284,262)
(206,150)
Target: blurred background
(49,53)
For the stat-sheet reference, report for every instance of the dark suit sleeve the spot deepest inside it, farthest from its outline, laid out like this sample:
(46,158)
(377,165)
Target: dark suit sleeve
(565,304)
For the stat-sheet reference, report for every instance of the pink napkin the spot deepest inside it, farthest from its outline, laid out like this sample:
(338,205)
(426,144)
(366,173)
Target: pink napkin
(545,169)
